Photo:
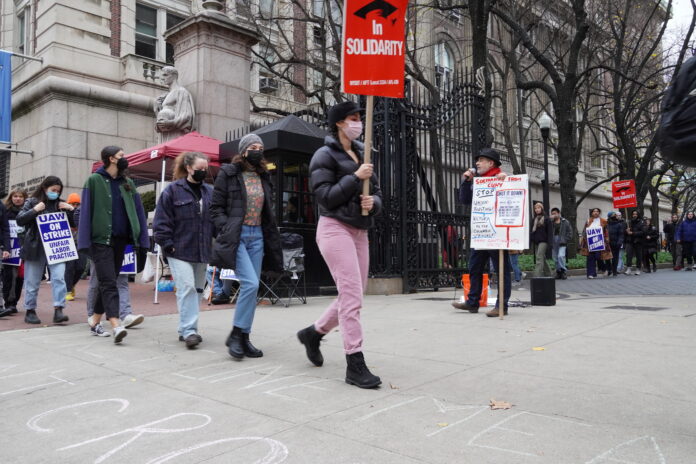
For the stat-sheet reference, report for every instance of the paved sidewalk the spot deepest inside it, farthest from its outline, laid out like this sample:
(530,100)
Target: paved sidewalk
(588,384)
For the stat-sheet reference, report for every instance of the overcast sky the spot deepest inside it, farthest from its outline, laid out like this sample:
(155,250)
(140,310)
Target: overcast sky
(682,12)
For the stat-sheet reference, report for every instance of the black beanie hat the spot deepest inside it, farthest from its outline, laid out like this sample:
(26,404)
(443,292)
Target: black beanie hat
(341,111)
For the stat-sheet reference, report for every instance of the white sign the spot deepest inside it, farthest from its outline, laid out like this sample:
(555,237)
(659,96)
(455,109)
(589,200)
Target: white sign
(228,274)
(15,245)
(595,239)
(130,261)
(499,213)
(56,237)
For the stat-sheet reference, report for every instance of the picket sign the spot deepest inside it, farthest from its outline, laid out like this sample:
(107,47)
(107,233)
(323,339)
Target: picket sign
(595,239)
(57,238)
(228,274)
(130,261)
(15,246)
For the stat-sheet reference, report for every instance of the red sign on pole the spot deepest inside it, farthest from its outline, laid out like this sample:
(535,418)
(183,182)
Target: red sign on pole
(624,194)
(374,47)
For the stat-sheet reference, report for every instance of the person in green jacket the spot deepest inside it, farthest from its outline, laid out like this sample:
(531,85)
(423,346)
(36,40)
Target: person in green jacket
(111,217)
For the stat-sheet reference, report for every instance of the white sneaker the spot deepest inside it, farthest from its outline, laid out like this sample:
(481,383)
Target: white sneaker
(98,331)
(637,272)
(628,271)
(119,334)
(132,320)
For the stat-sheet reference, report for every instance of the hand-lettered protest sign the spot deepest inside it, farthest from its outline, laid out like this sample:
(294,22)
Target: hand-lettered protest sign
(374,47)
(56,237)
(130,261)
(595,238)
(499,213)
(228,274)
(15,246)
(623,193)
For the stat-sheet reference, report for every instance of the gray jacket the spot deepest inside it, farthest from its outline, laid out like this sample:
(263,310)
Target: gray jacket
(566,232)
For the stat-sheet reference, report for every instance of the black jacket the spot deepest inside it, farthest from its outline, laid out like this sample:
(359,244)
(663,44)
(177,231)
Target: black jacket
(227,212)
(638,228)
(541,234)
(617,233)
(4,228)
(651,239)
(32,247)
(336,189)
(670,230)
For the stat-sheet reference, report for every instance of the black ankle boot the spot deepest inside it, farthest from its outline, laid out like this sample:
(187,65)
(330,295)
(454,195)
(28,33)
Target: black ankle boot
(235,343)
(250,350)
(31,318)
(311,339)
(58,315)
(358,374)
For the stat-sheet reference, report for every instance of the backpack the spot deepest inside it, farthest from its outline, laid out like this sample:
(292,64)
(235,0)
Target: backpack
(677,133)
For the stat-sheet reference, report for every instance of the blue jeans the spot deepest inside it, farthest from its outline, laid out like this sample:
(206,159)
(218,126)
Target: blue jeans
(515,263)
(220,287)
(477,262)
(33,271)
(189,279)
(124,306)
(558,252)
(249,259)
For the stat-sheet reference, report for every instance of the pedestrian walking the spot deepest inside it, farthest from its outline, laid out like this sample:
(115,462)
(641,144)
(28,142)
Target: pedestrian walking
(75,268)
(337,172)
(617,231)
(488,165)
(670,230)
(539,237)
(183,229)
(125,310)
(562,234)
(634,242)
(111,217)
(242,213)
(593,257)
(45,199)
(13,276)
(686,237)
(651,244)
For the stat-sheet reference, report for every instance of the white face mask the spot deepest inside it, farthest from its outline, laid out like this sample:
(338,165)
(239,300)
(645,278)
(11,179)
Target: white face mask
(353,129)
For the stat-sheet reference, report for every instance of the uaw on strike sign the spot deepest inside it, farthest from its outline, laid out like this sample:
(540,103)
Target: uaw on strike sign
(56,237)
(374,47)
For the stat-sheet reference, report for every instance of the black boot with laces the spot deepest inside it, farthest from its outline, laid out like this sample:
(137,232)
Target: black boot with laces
(311,339)
(235,343)
(358,374)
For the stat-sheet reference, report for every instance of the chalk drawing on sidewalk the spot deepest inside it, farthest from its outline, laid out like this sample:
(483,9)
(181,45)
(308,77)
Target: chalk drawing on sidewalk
(277,453)
(51,376)
(609,456)
(33,422)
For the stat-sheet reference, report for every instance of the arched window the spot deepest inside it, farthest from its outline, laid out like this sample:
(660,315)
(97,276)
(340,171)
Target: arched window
(444,64)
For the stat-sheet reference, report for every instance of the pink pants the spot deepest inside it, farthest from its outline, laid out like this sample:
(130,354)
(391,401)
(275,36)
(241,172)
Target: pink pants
(346,251)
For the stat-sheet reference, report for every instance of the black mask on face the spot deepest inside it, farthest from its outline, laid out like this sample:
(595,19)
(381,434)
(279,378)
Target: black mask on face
(254,157)
(199,175)
(122,164)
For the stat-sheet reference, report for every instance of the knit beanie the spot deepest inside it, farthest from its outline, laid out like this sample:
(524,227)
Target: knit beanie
(248,140)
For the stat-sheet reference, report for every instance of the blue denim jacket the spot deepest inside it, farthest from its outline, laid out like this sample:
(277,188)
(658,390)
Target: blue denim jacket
(183,223)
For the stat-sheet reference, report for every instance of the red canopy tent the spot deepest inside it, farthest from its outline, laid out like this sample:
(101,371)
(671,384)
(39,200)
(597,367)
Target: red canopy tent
(155,163)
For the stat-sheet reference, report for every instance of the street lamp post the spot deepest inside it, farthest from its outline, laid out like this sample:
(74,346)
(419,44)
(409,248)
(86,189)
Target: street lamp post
(545,126)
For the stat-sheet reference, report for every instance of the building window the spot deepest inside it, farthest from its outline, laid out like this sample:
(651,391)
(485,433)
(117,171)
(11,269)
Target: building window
(266,8)
(23,39)
(145,31)
(444,64)
(172,20)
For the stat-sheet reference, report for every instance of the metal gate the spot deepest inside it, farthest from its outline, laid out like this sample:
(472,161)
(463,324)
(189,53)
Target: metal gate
(423,144)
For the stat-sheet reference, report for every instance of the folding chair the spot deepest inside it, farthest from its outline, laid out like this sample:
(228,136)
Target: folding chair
(291,282)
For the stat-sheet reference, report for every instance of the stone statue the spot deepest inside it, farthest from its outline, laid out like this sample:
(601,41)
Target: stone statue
(174,110)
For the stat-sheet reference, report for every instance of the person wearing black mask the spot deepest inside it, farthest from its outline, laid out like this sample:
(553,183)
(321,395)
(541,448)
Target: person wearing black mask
(243,216)
(111,217)
(183,229)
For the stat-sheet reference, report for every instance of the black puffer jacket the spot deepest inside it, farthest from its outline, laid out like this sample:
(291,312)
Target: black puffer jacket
(336,189)
(32,246)
(227,212)
(638,228)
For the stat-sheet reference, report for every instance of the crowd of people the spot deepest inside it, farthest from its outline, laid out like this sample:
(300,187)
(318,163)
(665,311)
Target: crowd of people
(230,225)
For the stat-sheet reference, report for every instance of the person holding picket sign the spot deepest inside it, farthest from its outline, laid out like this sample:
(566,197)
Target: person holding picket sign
(595,242)
(247,234)
(111,217)
(337,171)
(45,200)
(183,229)
(13,276)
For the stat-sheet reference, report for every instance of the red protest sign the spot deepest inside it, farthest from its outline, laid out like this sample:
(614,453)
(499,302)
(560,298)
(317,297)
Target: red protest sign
(624,194)
(374,45)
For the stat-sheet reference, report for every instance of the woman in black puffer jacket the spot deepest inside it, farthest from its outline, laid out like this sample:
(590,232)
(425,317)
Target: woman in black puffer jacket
(248,238)
(11,281)
(337,171)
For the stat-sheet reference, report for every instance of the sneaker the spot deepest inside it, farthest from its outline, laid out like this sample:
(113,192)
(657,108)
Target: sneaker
(119,334)
(200,339)
(628,271)
(192,341)
(590,277)
(465,306)
(637,272)
(132,320)
(70,296)
(98,331)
